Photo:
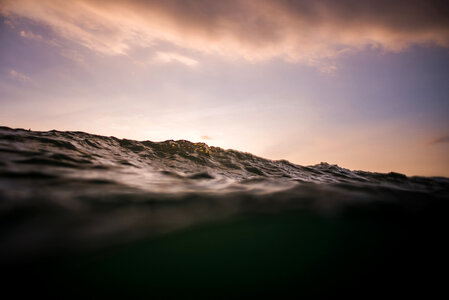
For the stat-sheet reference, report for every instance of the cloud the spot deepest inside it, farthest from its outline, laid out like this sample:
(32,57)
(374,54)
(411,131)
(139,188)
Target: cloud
(72,55)
(206,137)
(305,31)
(37,37)
(19,76)
(441,140)
(169,57)
(30,35)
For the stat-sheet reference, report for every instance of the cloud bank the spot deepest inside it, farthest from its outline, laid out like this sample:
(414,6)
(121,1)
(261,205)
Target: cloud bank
(295,31)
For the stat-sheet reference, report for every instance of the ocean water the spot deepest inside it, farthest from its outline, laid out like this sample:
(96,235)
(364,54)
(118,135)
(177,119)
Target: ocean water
(82,213)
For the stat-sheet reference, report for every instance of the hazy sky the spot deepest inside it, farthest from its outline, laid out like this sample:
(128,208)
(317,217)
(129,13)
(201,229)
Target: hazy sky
(363,84)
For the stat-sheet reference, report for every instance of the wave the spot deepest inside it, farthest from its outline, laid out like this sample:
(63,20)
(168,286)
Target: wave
(161,166)
(74,192)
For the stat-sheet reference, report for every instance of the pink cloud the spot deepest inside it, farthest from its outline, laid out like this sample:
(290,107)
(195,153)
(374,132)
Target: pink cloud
(19,76)
(296,31)
(170,57)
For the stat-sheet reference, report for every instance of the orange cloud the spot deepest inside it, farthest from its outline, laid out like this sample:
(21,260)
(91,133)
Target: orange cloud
(296,31)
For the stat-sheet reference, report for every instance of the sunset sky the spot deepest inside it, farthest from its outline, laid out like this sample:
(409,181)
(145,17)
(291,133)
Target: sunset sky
(362,84)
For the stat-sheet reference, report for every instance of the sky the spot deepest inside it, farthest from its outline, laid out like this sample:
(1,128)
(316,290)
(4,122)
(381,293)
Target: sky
(362,84)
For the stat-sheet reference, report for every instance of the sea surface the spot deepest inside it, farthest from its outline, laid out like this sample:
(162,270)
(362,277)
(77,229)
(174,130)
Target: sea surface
(83,213)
